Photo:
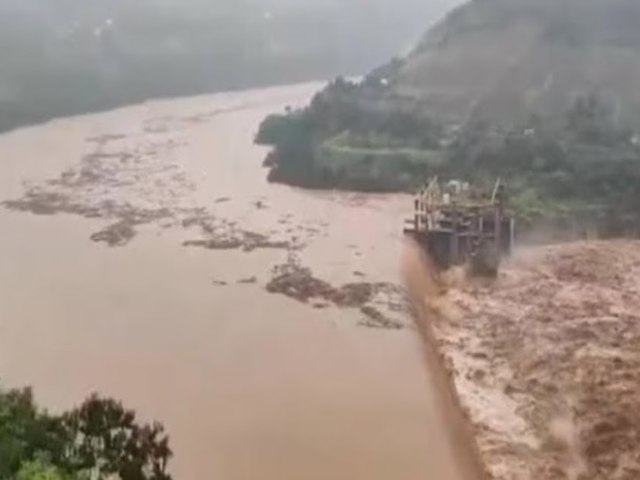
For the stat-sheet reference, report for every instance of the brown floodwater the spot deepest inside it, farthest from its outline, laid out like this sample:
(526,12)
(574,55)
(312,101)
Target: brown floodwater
(250,385)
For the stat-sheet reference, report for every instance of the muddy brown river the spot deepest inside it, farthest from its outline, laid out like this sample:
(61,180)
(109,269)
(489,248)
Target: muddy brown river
(107,285)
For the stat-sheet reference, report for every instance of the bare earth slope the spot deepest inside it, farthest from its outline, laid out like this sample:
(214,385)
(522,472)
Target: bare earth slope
(547,362)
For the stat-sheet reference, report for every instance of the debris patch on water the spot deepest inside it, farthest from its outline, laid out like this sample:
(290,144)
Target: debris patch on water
(128,187)
(241,239)
(383,305)
(117,234)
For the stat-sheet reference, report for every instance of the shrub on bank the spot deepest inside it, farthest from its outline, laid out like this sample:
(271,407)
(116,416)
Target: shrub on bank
(100,439)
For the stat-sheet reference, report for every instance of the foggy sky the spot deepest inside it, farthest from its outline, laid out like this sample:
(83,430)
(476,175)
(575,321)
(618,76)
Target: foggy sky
(66,56)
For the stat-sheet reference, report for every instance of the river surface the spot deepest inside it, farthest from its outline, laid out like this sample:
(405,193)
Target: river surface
(249,384)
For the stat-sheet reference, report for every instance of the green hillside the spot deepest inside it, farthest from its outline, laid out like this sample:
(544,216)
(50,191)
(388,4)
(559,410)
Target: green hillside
(541,93)
(505,60)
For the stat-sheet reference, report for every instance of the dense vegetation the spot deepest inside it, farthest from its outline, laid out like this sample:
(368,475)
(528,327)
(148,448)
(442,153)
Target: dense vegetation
(585,168)
(98,440)
(540,92)
(502,60)
(352,136)
(62,57)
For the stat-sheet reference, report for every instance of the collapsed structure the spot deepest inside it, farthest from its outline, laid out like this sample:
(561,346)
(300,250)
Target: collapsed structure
(457,225)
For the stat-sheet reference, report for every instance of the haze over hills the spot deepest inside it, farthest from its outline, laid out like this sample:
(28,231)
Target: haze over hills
(505,60)
(62,57)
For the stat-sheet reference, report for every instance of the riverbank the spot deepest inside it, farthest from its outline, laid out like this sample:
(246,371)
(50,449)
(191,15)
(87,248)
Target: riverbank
(562,180)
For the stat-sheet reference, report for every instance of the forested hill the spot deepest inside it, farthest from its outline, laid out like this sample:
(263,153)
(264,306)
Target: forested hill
(540,92)
(505,60)
(62,57)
